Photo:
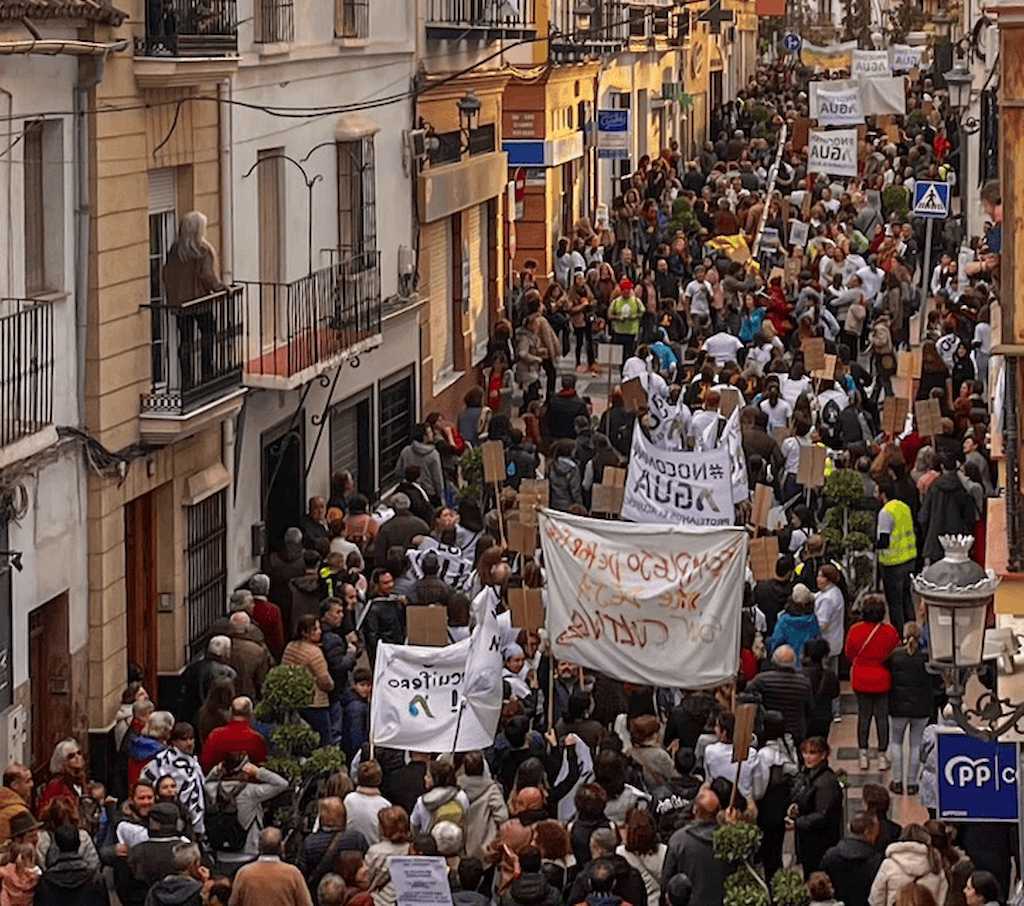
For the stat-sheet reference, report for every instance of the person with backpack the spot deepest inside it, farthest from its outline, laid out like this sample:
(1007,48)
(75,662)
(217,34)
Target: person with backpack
(236,790)
(443,800)
(331,837)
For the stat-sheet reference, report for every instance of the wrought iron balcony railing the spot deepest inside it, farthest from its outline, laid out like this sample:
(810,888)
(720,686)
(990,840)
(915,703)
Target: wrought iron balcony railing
(26,368)
(480,19)
(295,329)
(190,28)
(604,32)
(197,352)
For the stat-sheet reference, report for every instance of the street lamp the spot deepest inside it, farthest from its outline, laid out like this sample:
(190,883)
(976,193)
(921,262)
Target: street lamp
(583,13)
(958,82)
(469,110)
(956,593)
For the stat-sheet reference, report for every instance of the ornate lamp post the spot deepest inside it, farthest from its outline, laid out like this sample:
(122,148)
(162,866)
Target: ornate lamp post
(957,593)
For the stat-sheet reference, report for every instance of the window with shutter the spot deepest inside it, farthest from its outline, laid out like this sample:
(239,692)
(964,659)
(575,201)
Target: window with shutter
(396,407)
(357,200)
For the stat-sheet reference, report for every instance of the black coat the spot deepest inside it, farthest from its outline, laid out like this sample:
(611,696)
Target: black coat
(785,689)
(947,510)
(629,885)
(851,866)
(563,408)
(913,687)
(70,882)
(819,824)
(384,622)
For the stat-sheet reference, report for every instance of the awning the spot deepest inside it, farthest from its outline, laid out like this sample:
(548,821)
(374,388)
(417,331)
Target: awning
(353,126)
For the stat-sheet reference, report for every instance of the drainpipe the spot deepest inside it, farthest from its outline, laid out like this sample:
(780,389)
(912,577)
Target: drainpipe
(83,214)
(227,182)
(8,290)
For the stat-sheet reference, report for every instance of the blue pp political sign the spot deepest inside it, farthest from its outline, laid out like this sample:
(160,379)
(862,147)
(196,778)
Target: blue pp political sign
(613,137)
(792,42)
(976,779)
(931,199)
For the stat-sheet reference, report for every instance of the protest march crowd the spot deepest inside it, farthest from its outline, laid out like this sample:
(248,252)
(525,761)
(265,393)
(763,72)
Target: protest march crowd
(523,675)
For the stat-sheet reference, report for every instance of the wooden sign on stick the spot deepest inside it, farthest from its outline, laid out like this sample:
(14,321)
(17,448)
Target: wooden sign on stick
(908,363)
(527,608)
(894,415)
(764,554)
(427,625)
(743,732)
(606,499)
(828,371)
(494,461)
(811,471)
(613,477)
(522,537)
(814,353)
(634,397)
(764,497)
(609,354)
(929,417)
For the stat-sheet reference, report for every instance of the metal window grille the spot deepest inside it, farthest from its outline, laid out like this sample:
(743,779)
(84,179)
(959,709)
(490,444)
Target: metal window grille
(397,418)
(357,198)
(206,556)
(275,21)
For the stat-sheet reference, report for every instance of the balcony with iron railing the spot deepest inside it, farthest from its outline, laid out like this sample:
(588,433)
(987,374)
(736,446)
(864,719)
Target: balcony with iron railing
(295,331)
(196,356)
(274,21)
(481,20)
(187,42)
(26,378)
(575,36)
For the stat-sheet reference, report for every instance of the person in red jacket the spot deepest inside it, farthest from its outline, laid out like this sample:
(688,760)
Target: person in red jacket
(868,645)
(267,615)
(237,735)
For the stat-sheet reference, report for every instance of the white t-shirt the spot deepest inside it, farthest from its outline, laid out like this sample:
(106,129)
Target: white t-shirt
(723,347)
(779,415)
(699,294)
(829,610)
(362,811)
(791,389)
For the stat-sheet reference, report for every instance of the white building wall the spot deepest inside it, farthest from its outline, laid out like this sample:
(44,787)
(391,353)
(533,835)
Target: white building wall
(319,71)
(51,534)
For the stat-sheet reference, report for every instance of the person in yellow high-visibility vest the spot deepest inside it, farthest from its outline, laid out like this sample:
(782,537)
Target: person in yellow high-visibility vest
(897,554)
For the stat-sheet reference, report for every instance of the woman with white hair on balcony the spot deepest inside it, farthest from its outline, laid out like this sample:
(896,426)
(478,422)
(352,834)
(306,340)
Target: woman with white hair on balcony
(191,273)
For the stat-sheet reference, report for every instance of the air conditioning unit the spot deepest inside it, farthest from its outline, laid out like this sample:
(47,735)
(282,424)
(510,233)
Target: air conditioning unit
(416,143)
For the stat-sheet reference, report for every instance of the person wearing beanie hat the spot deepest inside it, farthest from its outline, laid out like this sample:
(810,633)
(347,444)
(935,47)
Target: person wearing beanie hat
(624,315)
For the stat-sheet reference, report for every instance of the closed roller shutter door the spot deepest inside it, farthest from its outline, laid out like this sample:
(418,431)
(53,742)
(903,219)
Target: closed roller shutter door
(344,445)
(477,217)
(439,258)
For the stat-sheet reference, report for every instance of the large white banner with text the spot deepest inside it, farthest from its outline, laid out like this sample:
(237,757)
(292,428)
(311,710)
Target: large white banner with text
(419,691)
(675,487)
(870,63)
(838,108)
(652,604)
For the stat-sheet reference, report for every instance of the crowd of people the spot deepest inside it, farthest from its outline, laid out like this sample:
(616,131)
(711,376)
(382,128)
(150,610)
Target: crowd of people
(597,791)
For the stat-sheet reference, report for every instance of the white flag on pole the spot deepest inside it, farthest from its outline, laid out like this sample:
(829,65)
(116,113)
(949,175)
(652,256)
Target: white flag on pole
(440,699)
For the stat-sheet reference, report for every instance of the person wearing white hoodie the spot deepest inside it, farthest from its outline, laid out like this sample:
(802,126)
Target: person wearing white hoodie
(911,860)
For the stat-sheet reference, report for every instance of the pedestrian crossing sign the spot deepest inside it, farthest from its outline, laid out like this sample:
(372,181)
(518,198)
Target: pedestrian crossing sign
(931,199)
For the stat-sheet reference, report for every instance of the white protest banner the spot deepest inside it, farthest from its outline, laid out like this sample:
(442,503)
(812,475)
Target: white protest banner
(652,604)
(666,422)
(833,153)
(870,63)
(675,487)
(732,441)
(832,56)
(456,563)
(798,232)
(419,691)
(903,57)
(879,95)
(838,108)
(420,880)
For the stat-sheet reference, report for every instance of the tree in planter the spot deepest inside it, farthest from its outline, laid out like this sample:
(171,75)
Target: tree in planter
(471,468)
(737,844)
(848,529)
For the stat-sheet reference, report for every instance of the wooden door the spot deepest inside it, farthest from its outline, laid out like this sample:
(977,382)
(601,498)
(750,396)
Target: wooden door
(140,586)
(49,661)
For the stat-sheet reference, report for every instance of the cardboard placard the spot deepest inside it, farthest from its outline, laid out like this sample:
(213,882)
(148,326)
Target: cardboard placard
(780,434)
(634,397)
(764,554)
(426,625)
(792,269)
(493,452)
(801,132)
(811,471)
(892,133)
(814,353)
(522,537)
(613,477)
(609,354)
(764,497)
(828,371)
(894,415)
(533,493)
(606,499)
(902,387)
(929,417)
(729,399)
(527,607)
(743,732)
(908,363)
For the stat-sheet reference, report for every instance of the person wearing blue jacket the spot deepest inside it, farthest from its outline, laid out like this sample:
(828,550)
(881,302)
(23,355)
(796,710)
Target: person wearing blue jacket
(797,624)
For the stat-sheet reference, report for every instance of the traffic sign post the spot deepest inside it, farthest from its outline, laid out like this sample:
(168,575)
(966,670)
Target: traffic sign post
(976,780)
(931,201)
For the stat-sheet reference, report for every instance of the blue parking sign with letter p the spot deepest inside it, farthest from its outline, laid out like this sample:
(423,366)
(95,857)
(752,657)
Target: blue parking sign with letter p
(976,779)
